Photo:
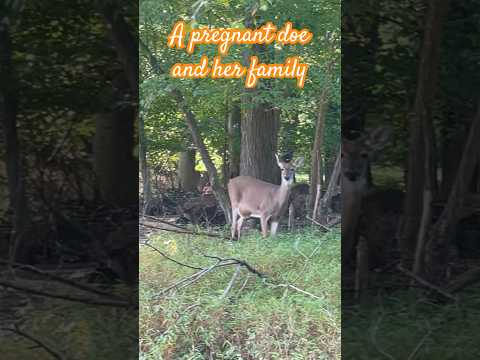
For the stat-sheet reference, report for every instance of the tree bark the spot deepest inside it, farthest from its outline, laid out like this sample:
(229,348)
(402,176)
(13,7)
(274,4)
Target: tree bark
(426,86)
(188,177)
(22,242)
(438,237)
(125,43)
(146,181)
(113,157)
(233,134)
(259,129)
(215,181)
(421,176)
(315,173)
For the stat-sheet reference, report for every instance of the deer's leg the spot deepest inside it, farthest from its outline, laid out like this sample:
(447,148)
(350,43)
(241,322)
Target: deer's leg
(264,226)
(239,226)
(234,222)
(273,228)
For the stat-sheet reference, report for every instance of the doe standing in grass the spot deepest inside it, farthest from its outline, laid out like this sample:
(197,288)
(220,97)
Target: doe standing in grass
(251,197)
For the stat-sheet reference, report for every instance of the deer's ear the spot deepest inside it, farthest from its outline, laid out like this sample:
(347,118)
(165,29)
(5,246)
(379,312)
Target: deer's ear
(379,137)
(280,165)
(298,162)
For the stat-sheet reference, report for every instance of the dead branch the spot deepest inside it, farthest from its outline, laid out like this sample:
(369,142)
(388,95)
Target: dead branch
(426,283)
(48,349)
(169,258)
(164,222)
(123,304)
(185,232)
(317,223)
(240,262)
(232,280)
(468,278)
(57,278)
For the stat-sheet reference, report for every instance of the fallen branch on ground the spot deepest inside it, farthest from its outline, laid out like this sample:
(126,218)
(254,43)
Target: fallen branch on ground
(319,224)
(123,304)
(186,232)
(232,280)
(48,349)
(59,279)
(468,278)
(169,258)
(426,283)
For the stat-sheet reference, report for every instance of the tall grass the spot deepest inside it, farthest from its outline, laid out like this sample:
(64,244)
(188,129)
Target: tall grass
(256,319)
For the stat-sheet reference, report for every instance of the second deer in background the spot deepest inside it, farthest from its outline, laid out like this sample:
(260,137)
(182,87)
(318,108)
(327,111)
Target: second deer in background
(365,209)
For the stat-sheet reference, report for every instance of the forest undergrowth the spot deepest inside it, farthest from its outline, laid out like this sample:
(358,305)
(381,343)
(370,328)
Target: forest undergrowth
(290,309)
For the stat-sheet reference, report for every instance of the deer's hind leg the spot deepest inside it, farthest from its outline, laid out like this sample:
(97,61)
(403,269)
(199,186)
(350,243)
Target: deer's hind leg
(234,222)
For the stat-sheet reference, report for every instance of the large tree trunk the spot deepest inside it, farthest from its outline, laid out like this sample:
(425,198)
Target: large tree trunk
(426,86)
(22,241)
(187,176)
(315,172)
(421,180)
(259,128)
(125,42)
(114,158)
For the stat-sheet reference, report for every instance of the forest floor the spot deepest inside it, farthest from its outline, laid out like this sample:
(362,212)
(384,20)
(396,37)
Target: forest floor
(406,324)
(291,313)
(57,329)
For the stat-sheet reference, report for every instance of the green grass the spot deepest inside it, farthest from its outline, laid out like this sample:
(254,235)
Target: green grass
(406,326)
(74,330)
(256,320)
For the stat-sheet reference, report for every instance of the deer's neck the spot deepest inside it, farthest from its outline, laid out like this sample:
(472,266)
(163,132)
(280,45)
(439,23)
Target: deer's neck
(283,191)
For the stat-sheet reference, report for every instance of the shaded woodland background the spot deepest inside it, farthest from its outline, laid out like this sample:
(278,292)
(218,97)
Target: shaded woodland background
(69,212)
(413,65)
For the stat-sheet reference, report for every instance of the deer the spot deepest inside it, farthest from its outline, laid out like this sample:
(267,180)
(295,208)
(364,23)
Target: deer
(363,206)
(251,197)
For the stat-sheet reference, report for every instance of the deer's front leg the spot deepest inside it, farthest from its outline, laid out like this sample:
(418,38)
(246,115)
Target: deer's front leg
(274,227)
(264,226)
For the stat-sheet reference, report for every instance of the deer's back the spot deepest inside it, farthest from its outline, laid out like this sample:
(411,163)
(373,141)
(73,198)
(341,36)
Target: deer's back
(250,193)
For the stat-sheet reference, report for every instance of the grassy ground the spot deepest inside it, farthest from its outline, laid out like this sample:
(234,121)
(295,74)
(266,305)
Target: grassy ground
(72,330)
(256,320)
(406,325)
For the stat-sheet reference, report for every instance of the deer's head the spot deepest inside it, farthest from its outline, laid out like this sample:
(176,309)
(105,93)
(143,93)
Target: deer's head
(288,168)
(357,153)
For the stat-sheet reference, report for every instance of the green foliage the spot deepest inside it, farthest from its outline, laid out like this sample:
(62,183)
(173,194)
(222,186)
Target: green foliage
(211,100)
(256,320)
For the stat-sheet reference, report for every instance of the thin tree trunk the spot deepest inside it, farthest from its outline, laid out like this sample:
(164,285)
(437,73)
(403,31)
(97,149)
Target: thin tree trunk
(217,187)
(326,203)
(143,149)
(315,174)
(233,134)
(438,238)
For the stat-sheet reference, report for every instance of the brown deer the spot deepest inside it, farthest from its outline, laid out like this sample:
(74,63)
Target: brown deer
(359,199)
(251,197)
